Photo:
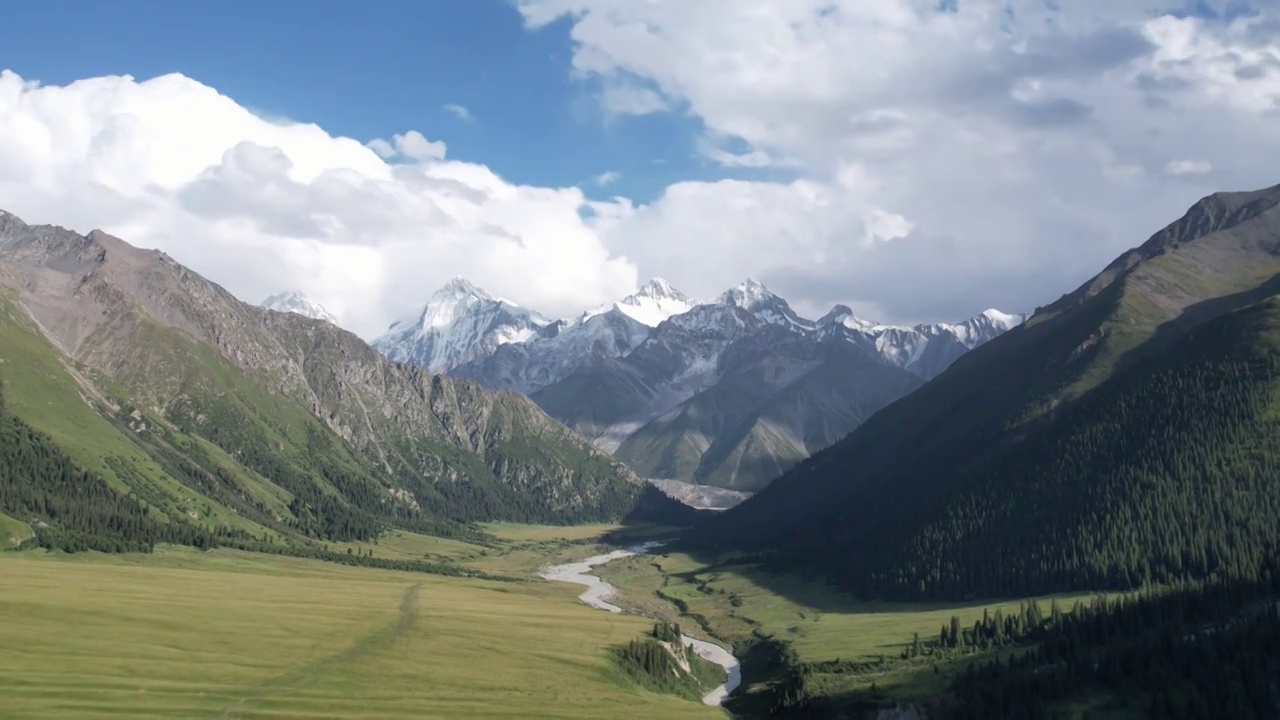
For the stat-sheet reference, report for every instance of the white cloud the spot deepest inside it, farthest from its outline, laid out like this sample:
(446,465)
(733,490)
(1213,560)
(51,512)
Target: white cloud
(1188,167)
(924,165)
(412,145)
(260,206)
(607,177)
(622,98)
(1025,146)
(459,111)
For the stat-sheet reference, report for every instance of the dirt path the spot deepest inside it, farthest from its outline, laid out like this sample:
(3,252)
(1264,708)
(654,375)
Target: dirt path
(370,644)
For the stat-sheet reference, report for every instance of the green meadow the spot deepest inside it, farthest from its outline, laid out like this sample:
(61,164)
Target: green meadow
(12,531)
(227,634)
(822,624)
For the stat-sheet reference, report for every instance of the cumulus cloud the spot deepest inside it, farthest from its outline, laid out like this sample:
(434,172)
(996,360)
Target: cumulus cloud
(607,177)
(261,205)
(1023,143)
(412,145)
(920,164)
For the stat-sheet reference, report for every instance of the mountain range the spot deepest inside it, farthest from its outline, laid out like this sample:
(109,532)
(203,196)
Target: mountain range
(1124,435)
(269,424)
(729,392)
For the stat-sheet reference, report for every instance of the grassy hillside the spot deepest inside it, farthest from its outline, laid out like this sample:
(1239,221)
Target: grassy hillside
(51,396)
(269,429)
(1121,437)
(235,635)
(13,531)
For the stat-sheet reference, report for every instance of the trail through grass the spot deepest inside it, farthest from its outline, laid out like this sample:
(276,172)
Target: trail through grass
(227,634)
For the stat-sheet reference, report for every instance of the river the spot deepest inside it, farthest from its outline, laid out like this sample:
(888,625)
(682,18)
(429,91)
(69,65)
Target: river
(598,592)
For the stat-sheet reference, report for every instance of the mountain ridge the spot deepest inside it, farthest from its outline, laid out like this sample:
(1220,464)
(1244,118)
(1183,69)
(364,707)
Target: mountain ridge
(989,458)
(624,373)
(305,412)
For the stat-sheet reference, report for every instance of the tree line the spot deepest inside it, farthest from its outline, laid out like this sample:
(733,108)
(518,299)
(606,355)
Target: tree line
(1198,652)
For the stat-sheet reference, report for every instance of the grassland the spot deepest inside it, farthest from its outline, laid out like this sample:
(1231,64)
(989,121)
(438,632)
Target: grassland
(823,625)
(227,634)
(404,545)
(12,531)
(542,533)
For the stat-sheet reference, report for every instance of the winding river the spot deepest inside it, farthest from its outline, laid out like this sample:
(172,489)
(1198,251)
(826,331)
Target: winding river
(598,592)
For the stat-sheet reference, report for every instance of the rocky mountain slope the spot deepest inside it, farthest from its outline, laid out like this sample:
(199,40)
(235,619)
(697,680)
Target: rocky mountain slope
(224,412)
(728,392)
(1122,435)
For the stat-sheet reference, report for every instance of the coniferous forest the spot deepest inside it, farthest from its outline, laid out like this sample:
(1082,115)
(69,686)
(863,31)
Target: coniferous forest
(1165,473)
(1198,653)
(75,510)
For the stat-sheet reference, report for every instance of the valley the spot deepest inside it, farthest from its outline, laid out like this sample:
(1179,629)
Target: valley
(261,516)
(228,634)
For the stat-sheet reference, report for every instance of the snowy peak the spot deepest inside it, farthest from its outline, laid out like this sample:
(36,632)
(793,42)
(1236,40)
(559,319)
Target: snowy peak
(982,327)
(654,302)
(843,315)
(459,288)
(658,289)
(837,314)
(1001,319)
(462,328)
(296,302)
(460,323)
(748,295)
(457,300)
(751,295)
(451,303)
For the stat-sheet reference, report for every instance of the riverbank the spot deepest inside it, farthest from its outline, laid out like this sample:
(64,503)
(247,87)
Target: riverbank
(599,591)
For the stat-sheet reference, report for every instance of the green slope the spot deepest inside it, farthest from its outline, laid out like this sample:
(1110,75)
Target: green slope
(234,424)
(13,532)
(55,399)
(1122,436)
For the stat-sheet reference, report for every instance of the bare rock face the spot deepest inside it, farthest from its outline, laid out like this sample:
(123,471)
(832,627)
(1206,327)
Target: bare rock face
(184,345)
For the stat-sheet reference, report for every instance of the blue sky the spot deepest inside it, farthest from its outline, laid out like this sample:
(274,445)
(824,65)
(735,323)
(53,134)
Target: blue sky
(368,70)
(918,166)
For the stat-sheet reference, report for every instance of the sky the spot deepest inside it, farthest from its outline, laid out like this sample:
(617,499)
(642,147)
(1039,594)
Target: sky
(917,160)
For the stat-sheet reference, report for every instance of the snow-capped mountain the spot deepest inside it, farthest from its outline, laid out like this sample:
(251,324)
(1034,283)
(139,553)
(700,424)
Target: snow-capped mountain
(558,350)
(923,350)
(519,350)
(752,296)
(296,302)
(654,302)
(730,391)
(460,323)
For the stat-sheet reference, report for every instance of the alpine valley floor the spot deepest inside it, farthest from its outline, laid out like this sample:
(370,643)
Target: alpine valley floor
(849,651)
(231,634)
